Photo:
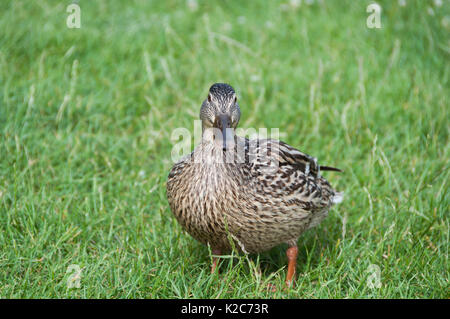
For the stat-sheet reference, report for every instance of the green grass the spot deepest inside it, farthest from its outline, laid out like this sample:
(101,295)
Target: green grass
(86,117)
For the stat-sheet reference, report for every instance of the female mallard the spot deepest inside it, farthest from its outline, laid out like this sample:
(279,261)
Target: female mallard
(249,194)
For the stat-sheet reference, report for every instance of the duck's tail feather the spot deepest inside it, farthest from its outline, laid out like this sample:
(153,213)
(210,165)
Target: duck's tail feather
(338,197)
(329,168)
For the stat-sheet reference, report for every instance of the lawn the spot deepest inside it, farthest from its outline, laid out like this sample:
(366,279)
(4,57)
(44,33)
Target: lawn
(86,122)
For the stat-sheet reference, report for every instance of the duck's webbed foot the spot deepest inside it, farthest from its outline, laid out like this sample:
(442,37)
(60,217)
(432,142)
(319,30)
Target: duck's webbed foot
(215,253)
(291,253)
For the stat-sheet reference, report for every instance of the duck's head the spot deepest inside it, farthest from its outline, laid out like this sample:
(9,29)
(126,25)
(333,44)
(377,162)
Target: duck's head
(220,112)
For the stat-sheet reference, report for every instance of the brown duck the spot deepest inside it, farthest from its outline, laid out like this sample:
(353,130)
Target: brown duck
(251,194)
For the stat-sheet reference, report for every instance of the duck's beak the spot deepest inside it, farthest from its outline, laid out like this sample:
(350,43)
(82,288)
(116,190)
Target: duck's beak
(224,123)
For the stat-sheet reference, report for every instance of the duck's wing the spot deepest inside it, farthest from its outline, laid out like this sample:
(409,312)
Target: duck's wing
(300,160)
(285,172)
(274,152)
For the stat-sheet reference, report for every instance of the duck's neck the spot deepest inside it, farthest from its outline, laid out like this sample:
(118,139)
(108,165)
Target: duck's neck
(211,149)
(214,136)
(208,136)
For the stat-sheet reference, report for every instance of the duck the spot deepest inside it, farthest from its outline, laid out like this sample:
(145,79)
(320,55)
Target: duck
(247,194)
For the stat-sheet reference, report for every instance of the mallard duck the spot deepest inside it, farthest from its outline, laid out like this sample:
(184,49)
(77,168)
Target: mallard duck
(250,194)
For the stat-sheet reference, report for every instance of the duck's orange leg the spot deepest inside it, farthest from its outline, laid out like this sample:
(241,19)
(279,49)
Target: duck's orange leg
(216,252)
(291,253)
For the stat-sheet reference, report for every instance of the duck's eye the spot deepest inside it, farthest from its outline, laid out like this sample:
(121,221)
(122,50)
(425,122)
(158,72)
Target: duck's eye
(235,100)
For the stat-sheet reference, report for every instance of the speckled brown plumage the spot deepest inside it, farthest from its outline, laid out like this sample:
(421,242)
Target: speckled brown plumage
(251,194)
